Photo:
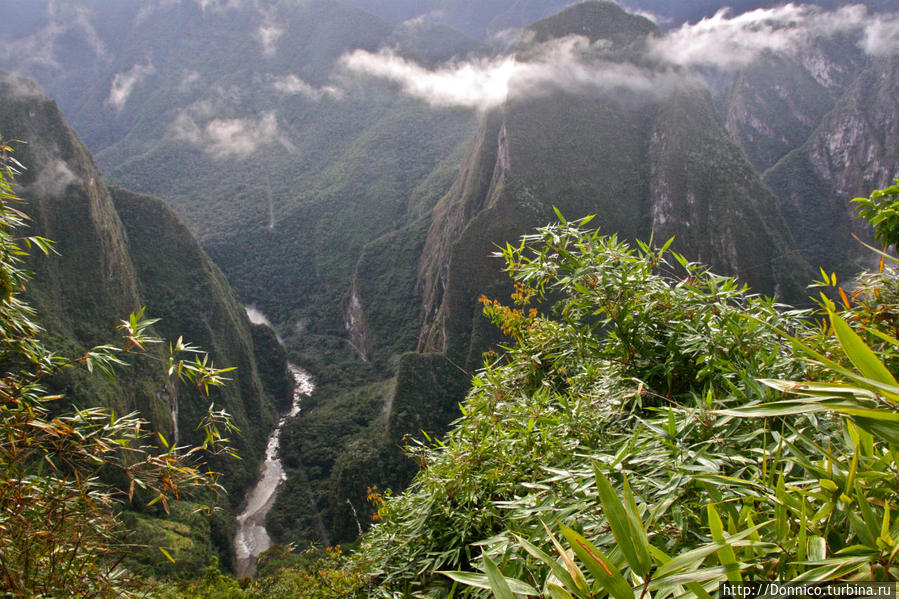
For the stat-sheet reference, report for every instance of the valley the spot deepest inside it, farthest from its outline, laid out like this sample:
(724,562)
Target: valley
(360,172)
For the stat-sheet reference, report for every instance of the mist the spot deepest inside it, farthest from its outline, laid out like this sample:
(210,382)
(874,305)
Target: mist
(572,64)
(124,83)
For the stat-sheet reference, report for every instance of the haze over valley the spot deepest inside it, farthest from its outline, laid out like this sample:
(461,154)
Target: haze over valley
(324,185)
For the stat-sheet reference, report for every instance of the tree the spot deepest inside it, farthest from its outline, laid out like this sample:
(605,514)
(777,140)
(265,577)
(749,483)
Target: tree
(59,531)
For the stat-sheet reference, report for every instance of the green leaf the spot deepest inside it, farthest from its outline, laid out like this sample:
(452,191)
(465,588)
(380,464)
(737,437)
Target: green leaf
(627,528)
(573,570)
(726,554)
(557,569)
(600,566)
(497,581)
(167,554)
(557,592)
(817,549)
(859,353)
(482,581)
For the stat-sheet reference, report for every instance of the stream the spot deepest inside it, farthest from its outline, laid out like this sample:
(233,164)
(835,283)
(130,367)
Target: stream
(252,538)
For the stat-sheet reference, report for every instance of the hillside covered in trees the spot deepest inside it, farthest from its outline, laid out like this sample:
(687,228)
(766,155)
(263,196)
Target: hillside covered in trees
(356,173)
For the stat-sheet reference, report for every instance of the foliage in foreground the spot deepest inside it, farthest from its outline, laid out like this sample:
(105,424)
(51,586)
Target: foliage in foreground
(624,367)
(60,535)
(652,429)
(656,434)
(283,573)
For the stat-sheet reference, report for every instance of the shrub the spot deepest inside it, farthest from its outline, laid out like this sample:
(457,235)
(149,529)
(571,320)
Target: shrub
(59,531)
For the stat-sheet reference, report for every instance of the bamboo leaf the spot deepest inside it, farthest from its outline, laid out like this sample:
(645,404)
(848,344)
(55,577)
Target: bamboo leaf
(482,581)
(726,554)
(859,353)
(497,581)
(602,569)
(628,533)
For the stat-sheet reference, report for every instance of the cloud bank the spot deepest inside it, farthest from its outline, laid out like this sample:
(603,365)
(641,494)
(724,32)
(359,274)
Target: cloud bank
(123,84)
(573,64)
(570,64)
(726,41)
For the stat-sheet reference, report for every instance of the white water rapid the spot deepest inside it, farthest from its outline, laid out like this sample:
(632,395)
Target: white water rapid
(252,538)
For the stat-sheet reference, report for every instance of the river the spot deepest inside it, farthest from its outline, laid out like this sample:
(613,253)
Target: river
(252,538)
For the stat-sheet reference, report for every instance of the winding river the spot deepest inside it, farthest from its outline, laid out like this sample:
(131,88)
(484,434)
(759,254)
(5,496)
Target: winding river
(252,538)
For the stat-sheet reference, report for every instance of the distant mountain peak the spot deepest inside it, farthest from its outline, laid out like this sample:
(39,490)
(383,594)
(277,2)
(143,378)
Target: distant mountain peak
(594,19)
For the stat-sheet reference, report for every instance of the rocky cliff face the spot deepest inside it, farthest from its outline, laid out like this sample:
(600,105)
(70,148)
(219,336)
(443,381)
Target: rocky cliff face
(642,163)
(854,149)
(117,252)
(776,101)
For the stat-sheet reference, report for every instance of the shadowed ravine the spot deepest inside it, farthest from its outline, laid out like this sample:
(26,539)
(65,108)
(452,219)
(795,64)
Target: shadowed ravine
(252,538)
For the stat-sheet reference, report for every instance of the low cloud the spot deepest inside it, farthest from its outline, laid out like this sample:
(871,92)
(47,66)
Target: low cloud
(219,4)
(189,80)
(267,36)
(477,84)
(573,64)
(504,39)
(569,64)
(19,87)
(53,179)
(730,41)
(124,83)
(39,48)
(291,85)
(229,137)
(256,316)
(882,37)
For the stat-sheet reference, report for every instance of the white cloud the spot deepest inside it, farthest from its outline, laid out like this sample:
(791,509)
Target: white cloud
(123,84)
(504,39)
(267,36)
(228,137)
(219,4)
(484,83)
(189,79)
(53,179)
(20,87)
(39,48)
(292,85)
(727,41)
(573,64)
(478,84)
(882,36)
(256,316)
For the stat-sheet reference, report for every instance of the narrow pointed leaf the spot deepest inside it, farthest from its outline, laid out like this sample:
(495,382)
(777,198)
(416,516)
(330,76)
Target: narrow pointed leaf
(600,566)
(859,353)
(633,543)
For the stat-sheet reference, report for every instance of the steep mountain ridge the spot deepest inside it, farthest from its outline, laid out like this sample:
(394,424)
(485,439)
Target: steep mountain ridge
(360,220)
(851,151)
(117,252)
(640,164)
(643,162)
(776,101)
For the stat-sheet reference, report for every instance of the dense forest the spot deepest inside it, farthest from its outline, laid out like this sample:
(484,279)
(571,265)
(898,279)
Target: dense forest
(587,302)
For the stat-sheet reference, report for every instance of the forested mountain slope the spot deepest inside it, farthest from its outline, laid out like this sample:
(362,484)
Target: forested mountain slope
(352,172)
(119,252)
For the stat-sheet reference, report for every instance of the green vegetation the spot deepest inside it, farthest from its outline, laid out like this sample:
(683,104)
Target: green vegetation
(648,422)
(651,428)
(627,354)
(60,533)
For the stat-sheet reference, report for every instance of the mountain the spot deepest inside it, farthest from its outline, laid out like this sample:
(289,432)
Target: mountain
(852,151)
(311,149)
(818,123)
(117,252)
(645,164)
